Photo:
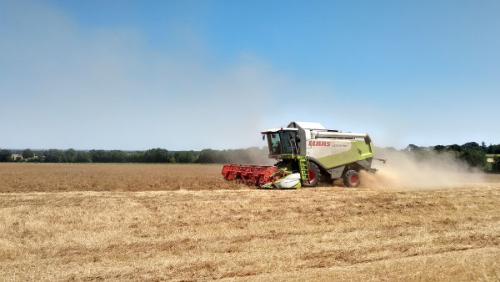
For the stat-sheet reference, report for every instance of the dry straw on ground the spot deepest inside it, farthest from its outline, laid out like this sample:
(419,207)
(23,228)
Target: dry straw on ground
(109,177)
(308,234)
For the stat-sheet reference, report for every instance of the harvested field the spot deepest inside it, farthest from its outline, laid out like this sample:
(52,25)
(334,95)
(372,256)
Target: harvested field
(222,231)
(43,177)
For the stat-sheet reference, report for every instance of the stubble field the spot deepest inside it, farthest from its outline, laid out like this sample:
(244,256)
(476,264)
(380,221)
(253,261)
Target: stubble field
(183,222)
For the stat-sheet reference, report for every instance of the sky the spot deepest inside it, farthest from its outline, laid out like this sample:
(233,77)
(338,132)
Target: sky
(188,75)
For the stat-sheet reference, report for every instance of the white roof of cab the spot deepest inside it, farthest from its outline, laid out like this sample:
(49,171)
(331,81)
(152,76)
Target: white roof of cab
(272,130)
(307,125)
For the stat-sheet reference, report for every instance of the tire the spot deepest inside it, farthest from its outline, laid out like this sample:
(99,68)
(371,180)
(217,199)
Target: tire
(314,175)
(351,179)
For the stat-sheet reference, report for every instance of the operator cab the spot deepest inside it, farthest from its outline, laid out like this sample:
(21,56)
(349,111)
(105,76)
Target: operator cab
(283,141)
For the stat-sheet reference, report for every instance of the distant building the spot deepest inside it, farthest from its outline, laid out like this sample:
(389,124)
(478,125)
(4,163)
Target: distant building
(16,157)
(490,160)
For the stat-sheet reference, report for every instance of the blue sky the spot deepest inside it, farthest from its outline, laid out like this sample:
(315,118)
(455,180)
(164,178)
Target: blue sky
(199,74)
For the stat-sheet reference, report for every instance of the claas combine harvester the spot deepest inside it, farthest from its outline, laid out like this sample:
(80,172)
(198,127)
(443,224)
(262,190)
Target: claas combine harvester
(307,153)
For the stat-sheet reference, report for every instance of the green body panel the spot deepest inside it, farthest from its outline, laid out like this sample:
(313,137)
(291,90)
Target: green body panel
(298,186)
(359,151)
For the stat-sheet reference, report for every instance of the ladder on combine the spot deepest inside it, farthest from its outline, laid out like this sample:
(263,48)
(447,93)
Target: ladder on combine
(303,168)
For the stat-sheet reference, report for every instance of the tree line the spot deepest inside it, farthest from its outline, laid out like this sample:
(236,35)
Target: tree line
(472,153)
(157,155)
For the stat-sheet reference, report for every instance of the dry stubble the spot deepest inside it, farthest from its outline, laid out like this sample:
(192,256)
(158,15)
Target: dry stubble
(322,234)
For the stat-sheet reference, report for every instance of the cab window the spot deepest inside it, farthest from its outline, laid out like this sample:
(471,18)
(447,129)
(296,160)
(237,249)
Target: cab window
(274,143)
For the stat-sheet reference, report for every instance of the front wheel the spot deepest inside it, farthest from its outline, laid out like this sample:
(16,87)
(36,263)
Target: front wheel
(351,178)
(314,175)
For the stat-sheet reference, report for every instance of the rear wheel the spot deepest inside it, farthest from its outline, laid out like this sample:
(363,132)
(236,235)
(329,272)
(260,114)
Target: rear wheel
(314,175)
(351,178)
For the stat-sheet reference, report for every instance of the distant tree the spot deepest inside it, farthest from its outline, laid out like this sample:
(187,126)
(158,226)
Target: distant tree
(184,157)
(496,165)
(412,148)
(82,157)
(474,157)
(157,155)
(28,154)
(207,156)
(5,155)
(439,148)
(493,149)
(471,146)
(117,156)
(454,147)
(53,156)
(135,157)
(69,156)
(99,156)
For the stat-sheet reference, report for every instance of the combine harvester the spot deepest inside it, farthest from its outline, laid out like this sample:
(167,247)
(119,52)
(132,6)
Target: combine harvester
(307,153)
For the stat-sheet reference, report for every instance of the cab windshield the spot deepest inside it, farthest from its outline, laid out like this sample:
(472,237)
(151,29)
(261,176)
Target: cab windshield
(282,142)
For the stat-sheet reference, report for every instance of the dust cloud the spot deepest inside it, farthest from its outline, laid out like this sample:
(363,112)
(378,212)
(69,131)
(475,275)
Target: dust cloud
(423,170)
(249,156)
